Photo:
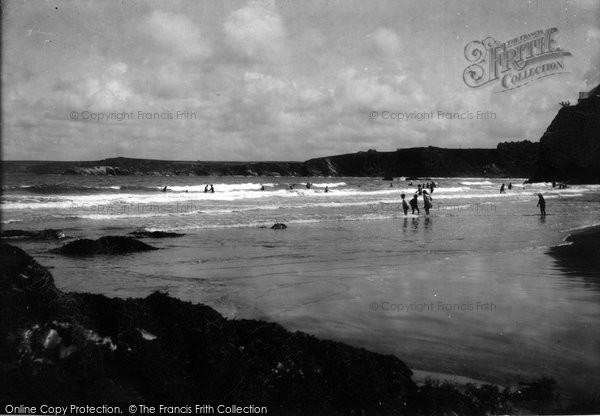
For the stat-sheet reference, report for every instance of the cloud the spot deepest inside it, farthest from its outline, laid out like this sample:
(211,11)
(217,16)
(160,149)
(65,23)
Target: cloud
(255,31)
(386,41)
(284,80)
(176,32)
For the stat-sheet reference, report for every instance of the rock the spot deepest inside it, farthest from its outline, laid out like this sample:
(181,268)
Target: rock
(279,226)
(104,245)
(160,349)
(154,234)
(48,234)
(582,255)
(570,147)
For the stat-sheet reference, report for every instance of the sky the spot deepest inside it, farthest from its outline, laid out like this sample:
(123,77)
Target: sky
(272,80)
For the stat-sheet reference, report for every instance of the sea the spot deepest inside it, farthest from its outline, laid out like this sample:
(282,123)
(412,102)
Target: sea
(468,290)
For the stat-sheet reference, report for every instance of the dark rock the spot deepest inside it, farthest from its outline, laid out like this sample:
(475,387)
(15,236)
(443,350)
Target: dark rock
(570,147)
(155,234)
(582,256)
(58,348)
(48,234)
(103,245)
(279,226)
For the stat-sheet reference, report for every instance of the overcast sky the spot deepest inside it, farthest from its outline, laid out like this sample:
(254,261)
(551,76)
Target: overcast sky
(284,80)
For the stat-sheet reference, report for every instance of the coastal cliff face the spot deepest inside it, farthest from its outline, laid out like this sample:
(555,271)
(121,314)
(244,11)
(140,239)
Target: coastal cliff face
(570,147)
(508,159)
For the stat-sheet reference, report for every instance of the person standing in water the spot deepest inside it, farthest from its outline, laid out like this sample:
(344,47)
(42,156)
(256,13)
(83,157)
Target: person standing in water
(432,186)
(542,204)
(404,204)
(420,190)
(206,189)
(509,186)
(414,204)
(212,189)
(427,202)
(502,189)
(327,189)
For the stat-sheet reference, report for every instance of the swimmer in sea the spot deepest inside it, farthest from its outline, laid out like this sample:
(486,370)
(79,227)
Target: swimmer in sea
(414,204)
(404,204)
(427,202)
(542,204)
(212,189)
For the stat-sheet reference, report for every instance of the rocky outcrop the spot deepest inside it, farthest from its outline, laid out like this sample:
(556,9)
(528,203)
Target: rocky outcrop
(581,254)
(97,171)
(570,147)
(64,347)
(103,245)
(48,234)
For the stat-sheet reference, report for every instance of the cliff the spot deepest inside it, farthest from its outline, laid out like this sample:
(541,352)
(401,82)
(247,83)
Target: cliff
(570,147)
(508,159)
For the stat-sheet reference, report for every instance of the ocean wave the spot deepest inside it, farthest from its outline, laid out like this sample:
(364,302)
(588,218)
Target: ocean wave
(330,185)
(469,183)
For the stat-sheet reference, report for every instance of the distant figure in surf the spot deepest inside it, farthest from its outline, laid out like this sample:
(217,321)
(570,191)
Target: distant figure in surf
(542,204)
(404,204)
(164,189)
(262,187)
(414,204)
(502,189)
(291,186)
(427,202)
(308,185)
(212,189)
(206,189)
(554,184)
(327,189)
(432,186)
(420,190)
(509,186)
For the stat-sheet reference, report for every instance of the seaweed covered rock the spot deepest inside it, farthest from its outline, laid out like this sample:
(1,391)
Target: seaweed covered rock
(103,245)
(160,349)
(48,234)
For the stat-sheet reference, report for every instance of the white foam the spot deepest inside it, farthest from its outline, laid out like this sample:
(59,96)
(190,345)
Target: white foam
(476,183)
(330,185)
